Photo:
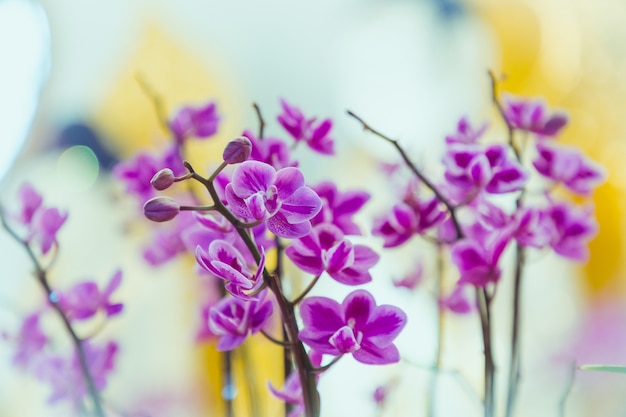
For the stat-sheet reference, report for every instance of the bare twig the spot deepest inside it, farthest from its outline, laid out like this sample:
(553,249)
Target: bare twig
(259,116)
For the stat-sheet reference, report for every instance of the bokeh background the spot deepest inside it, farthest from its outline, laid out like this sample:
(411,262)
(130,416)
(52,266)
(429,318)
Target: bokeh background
(412,68)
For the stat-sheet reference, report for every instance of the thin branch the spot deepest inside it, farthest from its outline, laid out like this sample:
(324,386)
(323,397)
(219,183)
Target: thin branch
(496,102)
(327,366)
(53,299)
(274,340)
(306,291)
(451,209)
(259,116)
(485,321)
(156,100)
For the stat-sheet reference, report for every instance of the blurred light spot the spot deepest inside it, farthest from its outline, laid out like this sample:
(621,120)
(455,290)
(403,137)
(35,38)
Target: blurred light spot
(229,392)
(78,168)
(54,297)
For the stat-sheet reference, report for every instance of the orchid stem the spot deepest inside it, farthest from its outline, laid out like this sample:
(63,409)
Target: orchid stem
(53,299)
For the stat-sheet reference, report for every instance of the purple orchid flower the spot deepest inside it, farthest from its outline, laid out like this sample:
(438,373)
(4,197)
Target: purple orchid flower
(279,198)
(44,227)
(137,173)
(572,228)
(408,218)
(477,259)
(271,151)
(316,135)
(30,342)
(85,299)
(233,319)
(472,168)
(326,249)
(291,392)
(457,301)
(338,208)
(465,134)
(568,165)
(224,261)
(533,116)
(30,201)
(65,376)
(199,122)
(356,326)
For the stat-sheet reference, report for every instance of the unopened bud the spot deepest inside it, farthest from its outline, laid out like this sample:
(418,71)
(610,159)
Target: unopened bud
(163,179)
(237,150)
(161,209)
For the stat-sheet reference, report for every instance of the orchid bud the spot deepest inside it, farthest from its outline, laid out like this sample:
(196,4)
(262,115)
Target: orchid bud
(237,150)
(161,209)
(163,179)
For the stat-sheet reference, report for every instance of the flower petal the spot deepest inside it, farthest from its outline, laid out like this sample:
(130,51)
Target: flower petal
(374,355)
(251,177)
(288,180)
(384,325)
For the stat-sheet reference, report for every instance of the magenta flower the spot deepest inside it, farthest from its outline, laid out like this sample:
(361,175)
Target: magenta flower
(224,261)
(411,280)
(472,168)
(198,122)
(407,219)
(457,301)
(316,135)
(137,173)
(45,224)
(326,249)
(338,208)
(65,375)
(533,116)
(85,299)
(477,260)
(280,198)
(356,326)
(233,319)
(30,342)
(571,230)
(237,150)
(270,150)
(568,165)
(30,201)
(465,133)
(292,390)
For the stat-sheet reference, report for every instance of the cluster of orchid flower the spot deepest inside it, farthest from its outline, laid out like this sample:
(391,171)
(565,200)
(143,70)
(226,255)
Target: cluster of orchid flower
(263,208)
(81,371)
(258,210)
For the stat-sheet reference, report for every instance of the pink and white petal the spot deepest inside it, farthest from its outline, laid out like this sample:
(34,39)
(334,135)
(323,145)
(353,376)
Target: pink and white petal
(256,205)
(220,250)
(236,204)
(261,314)
(251,177)
(321,314)
(339,257)
(358,306)
(385,324)
(279,225)
(288,180)
(318,341)
(302,205)
(374,355)
(344,341)
(352,276)
(311,264)
(365,257)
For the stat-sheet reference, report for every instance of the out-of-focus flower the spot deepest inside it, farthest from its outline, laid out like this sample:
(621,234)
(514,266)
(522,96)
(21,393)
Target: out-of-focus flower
(292,389)
(316,135)
(199,122)
(356,326)
(465,133)
(477,260)
(412,279)
(457,301)
(533,116)
(338,208)
(30,201)
(233,319)
(44,227)
(30,342)
(472,168)
(571,230)
(85,299)
(568,165)
(326,249)
(279,198)
(270,150)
